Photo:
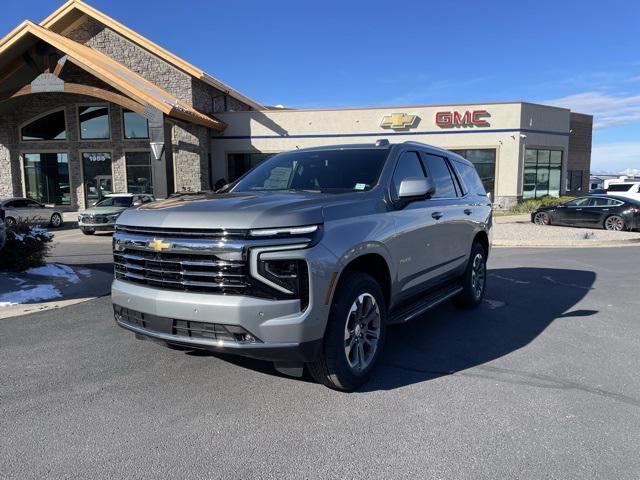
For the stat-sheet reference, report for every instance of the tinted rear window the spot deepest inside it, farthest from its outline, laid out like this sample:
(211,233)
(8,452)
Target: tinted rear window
(470,179)
(619,187)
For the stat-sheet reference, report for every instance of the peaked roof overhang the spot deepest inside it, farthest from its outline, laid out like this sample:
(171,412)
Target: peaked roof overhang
(64,18)
(123,80)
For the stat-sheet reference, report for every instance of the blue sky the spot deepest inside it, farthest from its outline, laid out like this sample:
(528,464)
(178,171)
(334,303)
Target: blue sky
(579,54)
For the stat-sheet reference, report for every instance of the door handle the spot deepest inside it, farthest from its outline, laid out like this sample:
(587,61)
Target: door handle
(578,209)
(437,215)
(605,209)
(468,211)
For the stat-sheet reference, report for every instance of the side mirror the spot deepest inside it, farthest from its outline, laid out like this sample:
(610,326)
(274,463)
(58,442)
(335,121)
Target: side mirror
(137,203)
(93,204)
(416,189)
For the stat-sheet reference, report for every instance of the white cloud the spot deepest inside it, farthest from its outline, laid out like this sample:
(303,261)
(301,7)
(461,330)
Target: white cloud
(607,110)
(615,157)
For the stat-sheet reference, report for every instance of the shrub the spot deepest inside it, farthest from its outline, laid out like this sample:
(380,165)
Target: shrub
(529,206)
(26,247)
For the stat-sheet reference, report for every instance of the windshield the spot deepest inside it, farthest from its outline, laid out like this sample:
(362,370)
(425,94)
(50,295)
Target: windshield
(115,202)
(332,171)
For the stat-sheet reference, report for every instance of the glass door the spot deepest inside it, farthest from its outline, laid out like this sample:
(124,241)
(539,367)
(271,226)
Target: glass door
(97,179)
(47,177)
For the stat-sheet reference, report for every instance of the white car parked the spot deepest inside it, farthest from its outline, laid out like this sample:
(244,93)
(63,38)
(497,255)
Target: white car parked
(625,189)
(28,210)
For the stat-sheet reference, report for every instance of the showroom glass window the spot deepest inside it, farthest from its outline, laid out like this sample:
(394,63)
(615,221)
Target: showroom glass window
(96,173)
(542,171)
(139,179)
(94,122)
(48,127)
(484,159)
(240,163)
(47,177)
(134,125)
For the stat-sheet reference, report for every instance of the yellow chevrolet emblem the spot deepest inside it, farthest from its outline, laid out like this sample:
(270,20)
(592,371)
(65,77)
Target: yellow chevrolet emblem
(158,245)
(398,121)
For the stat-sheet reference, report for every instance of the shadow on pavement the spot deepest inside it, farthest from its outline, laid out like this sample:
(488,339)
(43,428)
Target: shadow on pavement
(519,305)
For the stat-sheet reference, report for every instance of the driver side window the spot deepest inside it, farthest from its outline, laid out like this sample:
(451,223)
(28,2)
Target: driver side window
(408,166)
(578,202)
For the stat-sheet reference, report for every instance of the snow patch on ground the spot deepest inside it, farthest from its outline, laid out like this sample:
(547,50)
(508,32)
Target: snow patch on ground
(38,293)
(55,270)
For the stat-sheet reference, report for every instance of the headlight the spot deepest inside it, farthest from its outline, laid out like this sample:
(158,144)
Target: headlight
(287,274)
(288,231)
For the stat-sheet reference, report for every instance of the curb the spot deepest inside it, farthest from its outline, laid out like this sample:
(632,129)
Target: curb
(581,244)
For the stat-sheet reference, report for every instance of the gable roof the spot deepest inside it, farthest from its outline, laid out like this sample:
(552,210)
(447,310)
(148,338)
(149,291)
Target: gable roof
(109,71)
(63,17)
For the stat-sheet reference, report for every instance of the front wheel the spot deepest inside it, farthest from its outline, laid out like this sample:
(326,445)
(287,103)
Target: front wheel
(87,231)
(474,279)
(355,334)
(614,222)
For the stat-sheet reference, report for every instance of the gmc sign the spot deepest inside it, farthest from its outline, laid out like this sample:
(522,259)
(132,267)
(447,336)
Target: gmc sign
(475,118)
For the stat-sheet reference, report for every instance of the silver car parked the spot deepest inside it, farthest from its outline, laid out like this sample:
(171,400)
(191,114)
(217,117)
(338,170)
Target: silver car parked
(24,209)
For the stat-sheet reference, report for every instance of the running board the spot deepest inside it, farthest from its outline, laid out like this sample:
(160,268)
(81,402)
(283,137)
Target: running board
(416,309)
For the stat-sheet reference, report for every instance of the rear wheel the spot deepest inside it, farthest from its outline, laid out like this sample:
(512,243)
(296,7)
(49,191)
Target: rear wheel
(474,279)
(86,231)
(355,334)
(614,222)
(56,220)
(10,222)
(541,218)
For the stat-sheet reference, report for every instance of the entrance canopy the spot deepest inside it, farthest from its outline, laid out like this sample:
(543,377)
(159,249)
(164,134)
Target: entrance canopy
(32,59)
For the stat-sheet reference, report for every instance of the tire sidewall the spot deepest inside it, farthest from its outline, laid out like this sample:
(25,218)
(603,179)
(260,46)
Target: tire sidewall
(467,298)
(352,285)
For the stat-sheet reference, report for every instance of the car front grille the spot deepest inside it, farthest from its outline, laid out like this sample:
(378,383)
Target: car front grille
(200,233)
(180,271)
(94,220)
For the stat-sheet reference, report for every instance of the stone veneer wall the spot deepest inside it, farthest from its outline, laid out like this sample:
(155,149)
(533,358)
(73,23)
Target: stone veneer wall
(28,107)
(190,172)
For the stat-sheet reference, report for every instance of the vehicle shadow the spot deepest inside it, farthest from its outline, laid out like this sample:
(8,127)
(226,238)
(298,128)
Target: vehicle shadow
(519,305)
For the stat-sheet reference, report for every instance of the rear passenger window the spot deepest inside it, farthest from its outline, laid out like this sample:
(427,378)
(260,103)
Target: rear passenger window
(470,178)
(441,176)
(408,167)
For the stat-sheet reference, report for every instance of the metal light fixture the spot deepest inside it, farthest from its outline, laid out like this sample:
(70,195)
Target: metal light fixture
(157,148)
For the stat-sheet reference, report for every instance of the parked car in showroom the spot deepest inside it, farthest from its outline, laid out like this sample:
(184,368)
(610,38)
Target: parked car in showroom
(308,257)
(595,211)
(625,189)
(102,216)
(18,209)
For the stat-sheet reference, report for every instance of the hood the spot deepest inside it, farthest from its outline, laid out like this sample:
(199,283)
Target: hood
(103,210)
(237,210)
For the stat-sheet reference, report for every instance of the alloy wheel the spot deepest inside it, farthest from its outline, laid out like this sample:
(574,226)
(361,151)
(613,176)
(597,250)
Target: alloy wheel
(614,222)
(478,275)
(56,220)
(541,218)
(362,332)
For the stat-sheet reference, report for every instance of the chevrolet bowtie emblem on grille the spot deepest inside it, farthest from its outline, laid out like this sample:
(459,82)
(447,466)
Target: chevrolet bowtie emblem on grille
(158,245)
(398,121)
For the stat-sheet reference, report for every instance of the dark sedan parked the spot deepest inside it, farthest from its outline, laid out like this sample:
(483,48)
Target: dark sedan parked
(595,211)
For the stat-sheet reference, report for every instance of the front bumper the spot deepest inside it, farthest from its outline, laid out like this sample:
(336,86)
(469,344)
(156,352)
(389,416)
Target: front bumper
(285,333)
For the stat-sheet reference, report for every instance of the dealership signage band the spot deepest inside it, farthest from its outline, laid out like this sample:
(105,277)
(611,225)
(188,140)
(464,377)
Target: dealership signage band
(453,119)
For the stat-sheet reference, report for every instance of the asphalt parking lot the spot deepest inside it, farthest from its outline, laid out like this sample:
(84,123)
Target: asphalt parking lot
(540,382)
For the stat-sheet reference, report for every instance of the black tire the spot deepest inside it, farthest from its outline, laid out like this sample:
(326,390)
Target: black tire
(87,232)
(332,369)
(10,222)
(56,220)
(471,296)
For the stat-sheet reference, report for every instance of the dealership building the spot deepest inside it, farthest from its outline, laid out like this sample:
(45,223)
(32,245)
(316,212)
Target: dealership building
(89,106)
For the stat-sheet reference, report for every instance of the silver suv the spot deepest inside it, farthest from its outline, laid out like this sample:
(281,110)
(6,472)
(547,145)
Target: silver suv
(307,258)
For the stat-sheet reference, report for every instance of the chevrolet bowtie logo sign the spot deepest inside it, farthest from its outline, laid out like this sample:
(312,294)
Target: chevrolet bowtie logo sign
(399,121)
(158,245)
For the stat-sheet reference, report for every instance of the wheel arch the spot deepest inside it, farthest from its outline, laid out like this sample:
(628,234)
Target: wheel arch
(483,239)
(373,264)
